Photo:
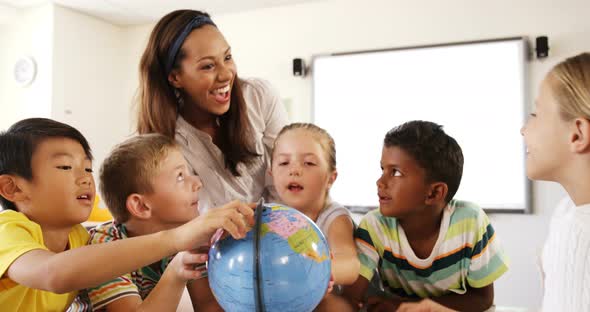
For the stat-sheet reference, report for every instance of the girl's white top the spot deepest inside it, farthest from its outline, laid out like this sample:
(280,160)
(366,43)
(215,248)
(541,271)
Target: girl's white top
(566,259)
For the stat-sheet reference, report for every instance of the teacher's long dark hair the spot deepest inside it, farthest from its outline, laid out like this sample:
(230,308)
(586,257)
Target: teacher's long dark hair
(158,105)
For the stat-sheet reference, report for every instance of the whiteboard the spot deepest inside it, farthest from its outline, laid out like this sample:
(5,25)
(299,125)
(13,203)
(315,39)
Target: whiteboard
(475,90)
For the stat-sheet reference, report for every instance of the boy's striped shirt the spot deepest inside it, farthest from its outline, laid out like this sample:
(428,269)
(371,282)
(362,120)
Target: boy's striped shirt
(466,253)
(137,283)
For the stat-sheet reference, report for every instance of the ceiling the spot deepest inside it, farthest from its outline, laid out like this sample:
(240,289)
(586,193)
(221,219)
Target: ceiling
(133,12)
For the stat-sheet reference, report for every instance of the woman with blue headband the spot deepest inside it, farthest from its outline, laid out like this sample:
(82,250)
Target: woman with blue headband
(189,90)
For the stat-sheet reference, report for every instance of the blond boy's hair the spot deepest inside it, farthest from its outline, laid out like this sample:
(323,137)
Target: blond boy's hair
(570,83)
(130,168)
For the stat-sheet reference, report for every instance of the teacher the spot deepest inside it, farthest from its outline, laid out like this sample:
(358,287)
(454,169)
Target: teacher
(189,89)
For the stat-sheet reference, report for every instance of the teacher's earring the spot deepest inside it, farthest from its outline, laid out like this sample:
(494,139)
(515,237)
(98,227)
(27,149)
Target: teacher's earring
(179,100)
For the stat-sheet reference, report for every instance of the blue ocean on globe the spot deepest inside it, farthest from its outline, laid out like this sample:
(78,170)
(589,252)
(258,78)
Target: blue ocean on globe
(290,272)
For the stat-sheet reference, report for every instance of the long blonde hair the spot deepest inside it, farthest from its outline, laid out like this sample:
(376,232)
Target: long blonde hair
(570,83)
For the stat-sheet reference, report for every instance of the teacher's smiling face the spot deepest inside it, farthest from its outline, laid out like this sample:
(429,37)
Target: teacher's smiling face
(206,74)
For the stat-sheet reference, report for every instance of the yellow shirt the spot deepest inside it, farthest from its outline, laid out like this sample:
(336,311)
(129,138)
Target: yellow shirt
(19,235)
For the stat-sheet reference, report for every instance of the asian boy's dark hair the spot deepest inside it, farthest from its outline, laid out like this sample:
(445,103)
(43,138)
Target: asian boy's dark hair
(436,152)
(19,142)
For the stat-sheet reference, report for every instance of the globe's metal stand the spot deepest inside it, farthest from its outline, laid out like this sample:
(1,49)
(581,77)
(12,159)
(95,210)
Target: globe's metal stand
(258,299)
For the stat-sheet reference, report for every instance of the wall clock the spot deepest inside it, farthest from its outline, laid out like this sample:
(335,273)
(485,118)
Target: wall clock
(24,71)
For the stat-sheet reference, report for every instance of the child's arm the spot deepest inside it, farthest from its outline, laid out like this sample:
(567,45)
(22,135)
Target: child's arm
(92,265)
(424,305)
(383,304)
(368,258)
(355,293)
(166,295)
(345,265)
(202,297)
(475,299)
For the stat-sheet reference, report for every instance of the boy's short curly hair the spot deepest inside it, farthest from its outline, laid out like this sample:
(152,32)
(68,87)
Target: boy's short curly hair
(434,150)
(19,142)
(130,168)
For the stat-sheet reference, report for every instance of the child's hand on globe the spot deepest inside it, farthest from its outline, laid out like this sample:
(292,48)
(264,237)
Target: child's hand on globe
(235,218)
(188,265)
(330,284)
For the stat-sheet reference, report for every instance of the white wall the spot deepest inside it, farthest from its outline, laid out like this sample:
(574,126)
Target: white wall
(90,79)
(81,79)
(28,34)
(7,14)
(4,76)
(265,41)
(135,38)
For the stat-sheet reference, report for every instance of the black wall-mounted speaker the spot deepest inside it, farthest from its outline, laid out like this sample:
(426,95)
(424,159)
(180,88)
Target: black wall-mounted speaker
(298,67)
(542,46)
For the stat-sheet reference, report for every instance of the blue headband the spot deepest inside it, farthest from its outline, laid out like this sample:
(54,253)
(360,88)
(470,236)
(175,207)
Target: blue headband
(196,22)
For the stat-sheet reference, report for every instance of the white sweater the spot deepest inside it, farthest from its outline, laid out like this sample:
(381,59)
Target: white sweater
(566,259)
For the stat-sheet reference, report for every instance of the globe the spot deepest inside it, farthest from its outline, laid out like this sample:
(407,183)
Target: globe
(283,264)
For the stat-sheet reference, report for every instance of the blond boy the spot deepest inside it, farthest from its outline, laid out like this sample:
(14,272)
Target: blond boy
(148,188)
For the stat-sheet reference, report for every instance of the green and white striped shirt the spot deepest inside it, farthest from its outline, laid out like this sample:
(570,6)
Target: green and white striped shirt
(467,252)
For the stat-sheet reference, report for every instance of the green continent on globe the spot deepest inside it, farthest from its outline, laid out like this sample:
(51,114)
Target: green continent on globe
(294,228)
